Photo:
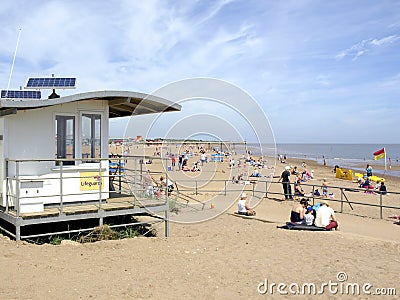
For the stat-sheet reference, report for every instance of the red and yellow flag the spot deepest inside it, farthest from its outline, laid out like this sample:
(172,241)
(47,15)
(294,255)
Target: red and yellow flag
(379,154)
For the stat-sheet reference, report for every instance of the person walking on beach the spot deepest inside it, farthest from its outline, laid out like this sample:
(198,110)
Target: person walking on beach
(173,161)
(180,159)
(203,158)
(285,177)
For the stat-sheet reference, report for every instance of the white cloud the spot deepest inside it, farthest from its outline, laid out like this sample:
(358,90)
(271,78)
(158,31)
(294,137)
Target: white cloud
(365,46)
(386,40)
(215,8)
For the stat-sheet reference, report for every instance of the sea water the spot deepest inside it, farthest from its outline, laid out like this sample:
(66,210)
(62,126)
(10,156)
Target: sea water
(354,156)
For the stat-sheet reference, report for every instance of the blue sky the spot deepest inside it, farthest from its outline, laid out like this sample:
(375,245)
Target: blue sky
(322,71)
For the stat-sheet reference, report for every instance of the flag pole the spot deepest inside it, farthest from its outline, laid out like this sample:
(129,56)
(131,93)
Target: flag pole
(384,150)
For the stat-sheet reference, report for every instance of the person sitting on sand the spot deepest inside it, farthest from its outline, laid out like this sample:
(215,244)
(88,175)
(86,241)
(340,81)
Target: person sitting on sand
(306,176)
(360,182)
(366,183)
(298,212)
(309,216)
(382,188)
(255,173)
(368,186)
(298,190)
(326,217)
(243,206)
(195,167)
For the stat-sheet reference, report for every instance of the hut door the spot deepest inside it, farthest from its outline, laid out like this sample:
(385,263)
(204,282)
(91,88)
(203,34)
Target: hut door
(65,138)
(91,135)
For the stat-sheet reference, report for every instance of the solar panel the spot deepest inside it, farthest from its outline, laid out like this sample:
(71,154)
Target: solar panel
(21,94)
(50,83)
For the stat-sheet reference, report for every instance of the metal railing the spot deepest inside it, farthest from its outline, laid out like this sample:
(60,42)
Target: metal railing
(344,196)
(126,181)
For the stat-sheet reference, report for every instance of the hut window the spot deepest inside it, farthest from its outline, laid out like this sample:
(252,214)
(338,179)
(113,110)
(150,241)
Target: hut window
(65,138)
(91,133)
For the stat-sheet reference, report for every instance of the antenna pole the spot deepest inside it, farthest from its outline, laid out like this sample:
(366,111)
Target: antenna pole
(12,65)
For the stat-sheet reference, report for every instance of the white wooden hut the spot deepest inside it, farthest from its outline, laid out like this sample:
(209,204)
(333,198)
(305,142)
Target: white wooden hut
(73,128)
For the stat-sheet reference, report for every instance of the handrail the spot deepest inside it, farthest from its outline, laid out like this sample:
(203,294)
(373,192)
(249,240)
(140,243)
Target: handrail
(342,192)
(135,181)
(15,176)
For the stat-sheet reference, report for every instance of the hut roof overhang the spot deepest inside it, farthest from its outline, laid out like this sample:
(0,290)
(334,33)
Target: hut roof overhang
(121,103)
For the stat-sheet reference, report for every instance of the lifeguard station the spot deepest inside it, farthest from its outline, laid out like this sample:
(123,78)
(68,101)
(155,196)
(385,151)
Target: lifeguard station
(54,155)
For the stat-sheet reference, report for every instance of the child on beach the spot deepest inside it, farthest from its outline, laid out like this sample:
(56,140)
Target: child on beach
(325,184)
(309,216)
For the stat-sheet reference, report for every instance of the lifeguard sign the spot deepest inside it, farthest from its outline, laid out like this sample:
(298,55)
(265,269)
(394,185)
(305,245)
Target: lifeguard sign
(90,181)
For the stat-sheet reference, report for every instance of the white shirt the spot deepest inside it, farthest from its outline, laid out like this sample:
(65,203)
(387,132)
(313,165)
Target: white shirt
(324,214)
(242,205)
(309,218)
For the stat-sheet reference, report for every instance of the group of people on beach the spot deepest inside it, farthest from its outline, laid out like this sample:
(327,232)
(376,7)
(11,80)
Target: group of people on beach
(320,215)
(303,176)
(367,184)
(155,188)
(183,162)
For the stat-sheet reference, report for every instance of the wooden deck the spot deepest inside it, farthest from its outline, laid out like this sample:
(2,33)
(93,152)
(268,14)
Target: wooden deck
(111,204)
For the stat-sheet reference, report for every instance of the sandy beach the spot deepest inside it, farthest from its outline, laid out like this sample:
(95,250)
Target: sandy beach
(223,256)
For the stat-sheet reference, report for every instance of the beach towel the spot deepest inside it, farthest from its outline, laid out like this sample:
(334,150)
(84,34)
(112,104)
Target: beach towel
(294,226)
